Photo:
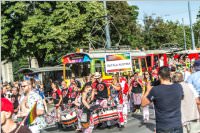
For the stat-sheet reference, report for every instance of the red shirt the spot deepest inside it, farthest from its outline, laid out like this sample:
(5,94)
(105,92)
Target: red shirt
(135,84)
(94,84)
(56,96)
(125,90)
(125,86)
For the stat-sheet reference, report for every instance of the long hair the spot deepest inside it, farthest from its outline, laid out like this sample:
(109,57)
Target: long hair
(85,87)
(56,84)
(150,77)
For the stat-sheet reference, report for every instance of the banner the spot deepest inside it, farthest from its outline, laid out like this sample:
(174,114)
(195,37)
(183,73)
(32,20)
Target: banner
(120,62)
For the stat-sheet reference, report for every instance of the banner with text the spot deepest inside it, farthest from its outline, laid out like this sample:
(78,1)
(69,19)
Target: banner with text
(120,62)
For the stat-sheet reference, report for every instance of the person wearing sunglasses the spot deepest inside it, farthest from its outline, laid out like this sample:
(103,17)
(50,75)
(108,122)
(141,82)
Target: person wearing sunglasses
(29,100)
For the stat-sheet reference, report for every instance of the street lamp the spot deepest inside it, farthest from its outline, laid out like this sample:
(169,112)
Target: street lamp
(185,45)
(191,29)
(108,42)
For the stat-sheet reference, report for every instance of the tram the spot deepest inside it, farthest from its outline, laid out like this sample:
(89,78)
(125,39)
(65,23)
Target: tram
(82,64)
(153,57)
(191,54)
(187,57)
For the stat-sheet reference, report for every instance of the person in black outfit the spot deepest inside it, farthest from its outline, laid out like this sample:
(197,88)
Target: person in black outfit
(167,101)
(15,98)
(57,100)
(3,91)
(64,92)
(136,89)
(101,88)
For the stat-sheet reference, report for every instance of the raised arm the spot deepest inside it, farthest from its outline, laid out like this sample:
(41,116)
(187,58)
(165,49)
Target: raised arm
(145,100)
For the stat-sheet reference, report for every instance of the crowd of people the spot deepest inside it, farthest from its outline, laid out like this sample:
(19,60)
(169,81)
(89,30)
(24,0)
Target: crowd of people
(173,91)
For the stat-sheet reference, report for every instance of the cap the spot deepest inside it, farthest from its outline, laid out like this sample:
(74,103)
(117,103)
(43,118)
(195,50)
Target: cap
(97,75)
(6,105)
(197,65)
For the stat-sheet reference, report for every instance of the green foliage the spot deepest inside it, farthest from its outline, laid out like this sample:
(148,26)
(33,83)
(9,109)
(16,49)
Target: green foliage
(124,18)
(197,33)
(157,32)
(198,15)
(21,63)
(46,30)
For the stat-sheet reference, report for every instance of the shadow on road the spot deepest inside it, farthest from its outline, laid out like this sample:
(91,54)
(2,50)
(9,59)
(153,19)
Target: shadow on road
(150,125)
(60,129)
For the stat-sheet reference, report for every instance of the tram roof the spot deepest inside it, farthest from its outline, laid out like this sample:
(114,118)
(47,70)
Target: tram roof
(102,53)
(188,52)
(160,51)
(41,69)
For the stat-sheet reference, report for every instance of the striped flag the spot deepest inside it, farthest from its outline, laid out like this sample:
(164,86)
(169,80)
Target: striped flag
(31,116)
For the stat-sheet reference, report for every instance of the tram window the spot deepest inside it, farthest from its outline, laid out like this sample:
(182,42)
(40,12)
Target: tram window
(156,60)
(69,71)
(85,69)
(148,58)
(75,70)
(136,64)
(98,66)
(80,70)
(143,63)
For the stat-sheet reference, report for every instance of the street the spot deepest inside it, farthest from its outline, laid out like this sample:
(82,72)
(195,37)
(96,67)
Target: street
(134,125)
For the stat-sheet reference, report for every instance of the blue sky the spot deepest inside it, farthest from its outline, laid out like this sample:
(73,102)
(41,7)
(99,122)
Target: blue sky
(168,10)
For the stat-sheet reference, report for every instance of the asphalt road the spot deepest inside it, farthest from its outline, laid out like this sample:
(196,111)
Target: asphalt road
(134,125)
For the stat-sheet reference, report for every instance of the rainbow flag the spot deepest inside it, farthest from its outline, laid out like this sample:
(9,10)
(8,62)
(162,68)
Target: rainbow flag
(31,116)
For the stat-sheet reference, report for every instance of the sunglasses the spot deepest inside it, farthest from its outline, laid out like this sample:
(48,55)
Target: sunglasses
(24,86)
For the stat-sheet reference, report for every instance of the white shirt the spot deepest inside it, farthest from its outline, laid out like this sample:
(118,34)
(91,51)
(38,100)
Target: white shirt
(186,75)
(161,63)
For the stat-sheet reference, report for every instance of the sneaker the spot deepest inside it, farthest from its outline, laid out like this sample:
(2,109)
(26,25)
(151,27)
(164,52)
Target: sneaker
(78,130)
(145,121)
(138,112)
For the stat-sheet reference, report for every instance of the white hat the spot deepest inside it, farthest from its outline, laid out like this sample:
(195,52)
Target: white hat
(97,75)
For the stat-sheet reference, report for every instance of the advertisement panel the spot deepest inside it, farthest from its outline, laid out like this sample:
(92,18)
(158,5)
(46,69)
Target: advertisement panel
(120,62)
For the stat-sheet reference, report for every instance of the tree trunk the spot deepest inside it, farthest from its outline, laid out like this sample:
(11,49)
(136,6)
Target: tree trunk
(40,61)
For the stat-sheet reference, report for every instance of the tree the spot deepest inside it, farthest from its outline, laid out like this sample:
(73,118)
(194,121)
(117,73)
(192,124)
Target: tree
(13,14)
(124,18)
(156,32)
(46,30)
(197,30)
(198,15)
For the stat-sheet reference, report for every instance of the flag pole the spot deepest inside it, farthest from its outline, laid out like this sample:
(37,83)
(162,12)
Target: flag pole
(25,118)
(22,122)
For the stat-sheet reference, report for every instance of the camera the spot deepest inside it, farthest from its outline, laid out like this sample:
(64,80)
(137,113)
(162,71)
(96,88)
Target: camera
(9,95)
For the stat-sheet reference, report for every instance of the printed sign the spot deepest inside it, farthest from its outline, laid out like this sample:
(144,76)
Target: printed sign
(76,58)
(118,62)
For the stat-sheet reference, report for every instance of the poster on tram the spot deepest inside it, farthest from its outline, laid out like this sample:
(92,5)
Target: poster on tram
(118,62)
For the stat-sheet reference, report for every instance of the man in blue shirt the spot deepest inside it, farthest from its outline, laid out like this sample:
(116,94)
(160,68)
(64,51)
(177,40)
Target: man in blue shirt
(40,90)
(194,79)
(167,101)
